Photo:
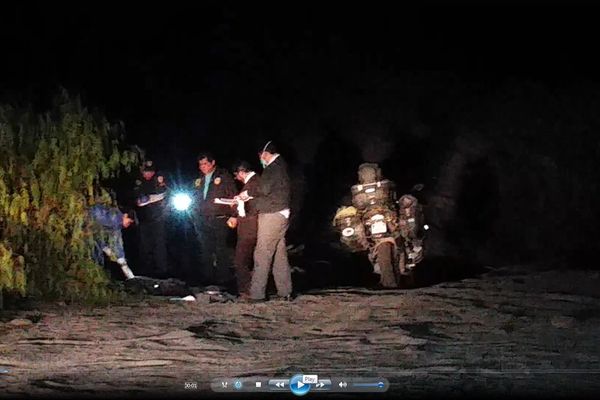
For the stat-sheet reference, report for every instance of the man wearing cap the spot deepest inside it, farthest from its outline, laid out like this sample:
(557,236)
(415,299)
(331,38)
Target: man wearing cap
(150,193)
(246,219)
(273,204)
(210,221)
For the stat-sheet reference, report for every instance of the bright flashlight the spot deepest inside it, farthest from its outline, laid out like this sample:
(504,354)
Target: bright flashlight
(181,201)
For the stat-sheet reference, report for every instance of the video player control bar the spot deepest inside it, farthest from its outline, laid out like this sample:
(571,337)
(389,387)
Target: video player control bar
(301,384)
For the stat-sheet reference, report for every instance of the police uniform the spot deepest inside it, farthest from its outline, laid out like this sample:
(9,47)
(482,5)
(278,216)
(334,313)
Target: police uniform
(152,238)
(210,223)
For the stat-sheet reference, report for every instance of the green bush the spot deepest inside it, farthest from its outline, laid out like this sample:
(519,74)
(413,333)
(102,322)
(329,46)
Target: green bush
(51,169)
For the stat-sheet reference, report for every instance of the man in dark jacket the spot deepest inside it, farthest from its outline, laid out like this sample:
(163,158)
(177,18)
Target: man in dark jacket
(210,220)
(150,193)
(273,204)
(246,219)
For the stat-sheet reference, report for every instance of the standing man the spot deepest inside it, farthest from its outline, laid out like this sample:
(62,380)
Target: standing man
(273,204)
(247,227)
(150,193)
(210,220)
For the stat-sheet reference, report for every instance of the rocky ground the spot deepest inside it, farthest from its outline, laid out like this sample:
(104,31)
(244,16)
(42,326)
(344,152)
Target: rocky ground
(509,331)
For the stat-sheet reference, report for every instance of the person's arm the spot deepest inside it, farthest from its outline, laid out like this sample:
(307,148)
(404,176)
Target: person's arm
(234,208)
(265,185)
(137,193)
(234,215)
(229,189)
(161,186)
(109,217)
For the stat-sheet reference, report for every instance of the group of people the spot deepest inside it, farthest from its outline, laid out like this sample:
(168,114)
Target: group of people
(259,213)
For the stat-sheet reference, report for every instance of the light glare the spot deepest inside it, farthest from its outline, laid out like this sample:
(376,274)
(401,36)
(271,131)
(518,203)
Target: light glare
(182,201)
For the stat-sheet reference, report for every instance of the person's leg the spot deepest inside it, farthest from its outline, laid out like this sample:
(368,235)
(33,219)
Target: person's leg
(266,244)
(116,252)
(281,267)
(197,273)
(160,249)
(98,254)
(224,264)
(145,249)
(207,249)
(244,252)
(150,239)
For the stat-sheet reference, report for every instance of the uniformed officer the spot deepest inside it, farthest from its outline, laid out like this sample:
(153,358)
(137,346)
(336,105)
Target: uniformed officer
(150,193)
(210,220)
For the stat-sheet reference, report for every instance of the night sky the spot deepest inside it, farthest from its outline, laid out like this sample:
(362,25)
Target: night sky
(182,68)
(227,76)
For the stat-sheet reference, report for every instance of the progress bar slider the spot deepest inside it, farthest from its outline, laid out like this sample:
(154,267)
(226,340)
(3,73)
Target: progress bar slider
(348,385)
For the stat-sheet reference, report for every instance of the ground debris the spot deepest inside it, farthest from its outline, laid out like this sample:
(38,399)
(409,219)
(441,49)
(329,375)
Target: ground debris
(20,323)
(492,331)
(561,321)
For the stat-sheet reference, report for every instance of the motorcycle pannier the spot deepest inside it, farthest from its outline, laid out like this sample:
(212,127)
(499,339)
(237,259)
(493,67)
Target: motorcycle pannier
(377,193)
(411,217)
(351,229)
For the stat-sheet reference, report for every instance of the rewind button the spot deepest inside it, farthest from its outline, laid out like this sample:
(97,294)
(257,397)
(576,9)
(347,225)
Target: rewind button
(279,384)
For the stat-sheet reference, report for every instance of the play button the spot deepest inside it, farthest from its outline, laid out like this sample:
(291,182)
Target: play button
(297,387)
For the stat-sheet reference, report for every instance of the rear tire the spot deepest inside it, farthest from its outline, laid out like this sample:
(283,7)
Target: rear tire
(385,260)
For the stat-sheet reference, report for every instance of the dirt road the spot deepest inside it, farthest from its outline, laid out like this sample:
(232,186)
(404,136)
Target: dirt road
(506,332)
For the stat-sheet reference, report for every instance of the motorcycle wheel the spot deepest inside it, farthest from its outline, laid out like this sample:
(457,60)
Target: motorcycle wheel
(385,260)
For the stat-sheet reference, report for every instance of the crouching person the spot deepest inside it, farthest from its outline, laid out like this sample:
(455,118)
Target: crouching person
(108,222)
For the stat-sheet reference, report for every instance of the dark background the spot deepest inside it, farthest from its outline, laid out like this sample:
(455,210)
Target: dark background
(520,80)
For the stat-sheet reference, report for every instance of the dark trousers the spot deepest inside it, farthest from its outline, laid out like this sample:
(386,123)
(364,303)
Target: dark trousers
(153,247)
(212,232)
(244,251)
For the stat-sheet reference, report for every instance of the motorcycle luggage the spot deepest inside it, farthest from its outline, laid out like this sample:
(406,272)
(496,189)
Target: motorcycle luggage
(377,193)
(410,217)
(381,221)
(351,228)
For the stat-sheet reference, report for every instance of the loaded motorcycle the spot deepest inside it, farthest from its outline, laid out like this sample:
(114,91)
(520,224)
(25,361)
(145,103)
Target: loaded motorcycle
(391,230)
